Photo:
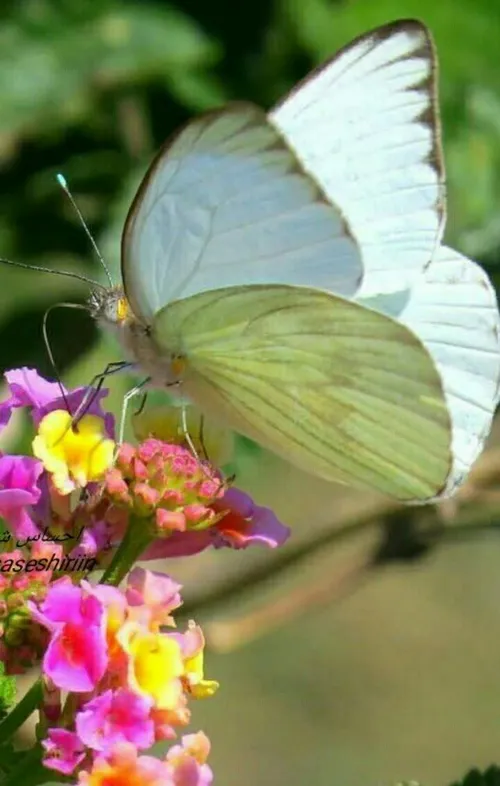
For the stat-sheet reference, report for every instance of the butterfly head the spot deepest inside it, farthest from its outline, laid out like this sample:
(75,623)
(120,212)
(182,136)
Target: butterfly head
(110,306)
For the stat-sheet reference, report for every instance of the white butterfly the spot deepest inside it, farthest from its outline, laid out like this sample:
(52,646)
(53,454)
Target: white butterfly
(286,272)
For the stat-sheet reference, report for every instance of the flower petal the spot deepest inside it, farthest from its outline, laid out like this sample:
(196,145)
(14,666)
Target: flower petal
(27,389)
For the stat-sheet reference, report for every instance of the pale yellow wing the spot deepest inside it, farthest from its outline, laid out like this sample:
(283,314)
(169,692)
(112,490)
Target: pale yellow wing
(340,390)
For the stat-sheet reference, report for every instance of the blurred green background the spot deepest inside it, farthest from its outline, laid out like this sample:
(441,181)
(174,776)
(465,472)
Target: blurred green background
(399,678)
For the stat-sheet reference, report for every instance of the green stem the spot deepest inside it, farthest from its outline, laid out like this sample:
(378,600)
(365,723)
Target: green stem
(21,711)
(30,771)
(137,538)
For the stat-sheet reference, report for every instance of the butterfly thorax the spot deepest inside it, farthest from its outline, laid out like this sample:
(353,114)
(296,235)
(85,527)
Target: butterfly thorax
(112,311)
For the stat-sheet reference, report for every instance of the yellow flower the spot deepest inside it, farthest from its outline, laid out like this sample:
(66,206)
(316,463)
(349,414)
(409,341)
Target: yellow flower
(155,665)
(194,678)
(75,455)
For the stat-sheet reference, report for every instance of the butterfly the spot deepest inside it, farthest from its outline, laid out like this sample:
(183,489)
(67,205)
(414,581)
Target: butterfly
(284,272)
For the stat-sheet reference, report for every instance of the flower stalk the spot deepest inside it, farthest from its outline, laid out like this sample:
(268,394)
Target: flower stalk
(136,540)
(21,712)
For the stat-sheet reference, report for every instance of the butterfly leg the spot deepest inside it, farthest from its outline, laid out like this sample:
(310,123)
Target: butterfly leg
(99,379)
(92,393)
(201,438)
(140,408)
(130,394)
(189,442)
(186,435)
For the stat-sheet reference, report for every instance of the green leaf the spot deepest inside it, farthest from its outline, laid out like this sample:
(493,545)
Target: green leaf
(466,49)
(489,777)
(469,94)
(25,767)
(9,759)
(8,690)
(197,90)
(51,71)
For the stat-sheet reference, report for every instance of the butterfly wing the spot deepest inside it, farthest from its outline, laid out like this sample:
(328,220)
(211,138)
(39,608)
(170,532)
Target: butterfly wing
(227,203)
(365,125)
(453,310)
(338,389)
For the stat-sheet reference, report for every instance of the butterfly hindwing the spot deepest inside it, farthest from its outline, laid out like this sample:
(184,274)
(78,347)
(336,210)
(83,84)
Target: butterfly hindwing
(340,390)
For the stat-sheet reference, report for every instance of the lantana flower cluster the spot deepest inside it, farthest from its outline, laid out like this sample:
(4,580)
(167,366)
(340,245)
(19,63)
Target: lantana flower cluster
(125,672)
(117,675)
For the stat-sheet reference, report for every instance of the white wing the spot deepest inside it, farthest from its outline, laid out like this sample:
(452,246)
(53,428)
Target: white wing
(366,126)
(454,311)
(226,203)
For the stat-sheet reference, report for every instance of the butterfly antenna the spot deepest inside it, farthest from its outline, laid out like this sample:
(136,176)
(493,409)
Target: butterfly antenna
(64,185)
(66,273)
(49,348)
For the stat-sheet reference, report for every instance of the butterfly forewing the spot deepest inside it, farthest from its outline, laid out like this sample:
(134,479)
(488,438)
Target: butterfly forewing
(227,203)
(365,125)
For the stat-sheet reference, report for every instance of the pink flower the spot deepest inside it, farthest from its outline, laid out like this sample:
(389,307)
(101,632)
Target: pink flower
(113,717)
(187,761)
(116,611)
(165,484)
(110,597)
(245,522)
(28,389)
(239,523)
(19,491)
(124,767)
(76,657)
(63,751)
(157,591)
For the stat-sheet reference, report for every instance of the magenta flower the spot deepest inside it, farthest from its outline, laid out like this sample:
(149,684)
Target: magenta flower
(28,389)
(95,538)
(114,717)
(242,523)
(76,657)
(19,491)
(245,523)
(63,751)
